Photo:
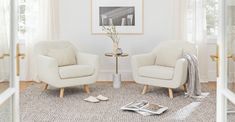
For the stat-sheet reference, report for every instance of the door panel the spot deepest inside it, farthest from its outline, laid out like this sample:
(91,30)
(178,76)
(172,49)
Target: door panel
(230,36)
(230,42)
(225,84)
(4,45)
(9,83)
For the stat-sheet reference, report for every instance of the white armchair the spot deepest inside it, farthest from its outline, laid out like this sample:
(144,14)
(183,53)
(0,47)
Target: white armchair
(164,66)
(75,68)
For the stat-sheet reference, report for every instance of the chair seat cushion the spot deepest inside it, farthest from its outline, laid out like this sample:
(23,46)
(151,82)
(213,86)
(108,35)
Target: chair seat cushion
(75,71)
(157,72)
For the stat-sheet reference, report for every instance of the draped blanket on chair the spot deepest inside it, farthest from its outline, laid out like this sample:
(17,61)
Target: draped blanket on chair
(193,78)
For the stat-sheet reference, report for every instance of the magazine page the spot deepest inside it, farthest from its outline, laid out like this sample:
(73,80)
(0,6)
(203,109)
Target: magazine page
(135,106)
(154,108)
(145,108)
(144,113)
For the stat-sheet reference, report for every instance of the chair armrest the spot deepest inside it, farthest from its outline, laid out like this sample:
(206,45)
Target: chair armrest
(88,59)
(181,71)
(48,70)
(142,60)
(138,61)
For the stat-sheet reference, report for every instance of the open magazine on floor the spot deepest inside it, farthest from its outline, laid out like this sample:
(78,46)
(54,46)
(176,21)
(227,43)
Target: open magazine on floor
(145,108)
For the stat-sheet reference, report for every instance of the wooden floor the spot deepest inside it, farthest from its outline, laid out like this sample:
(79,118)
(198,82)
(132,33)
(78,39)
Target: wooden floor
(25,84)
(210,85)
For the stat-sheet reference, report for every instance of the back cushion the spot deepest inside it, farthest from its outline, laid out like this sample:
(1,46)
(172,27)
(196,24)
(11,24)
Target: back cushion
(64,56)
(167,56)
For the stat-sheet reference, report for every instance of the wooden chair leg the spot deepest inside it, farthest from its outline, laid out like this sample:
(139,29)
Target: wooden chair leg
(145,89)
(61,92)
(170,93)
(45,87)
(86,89)
(185,87)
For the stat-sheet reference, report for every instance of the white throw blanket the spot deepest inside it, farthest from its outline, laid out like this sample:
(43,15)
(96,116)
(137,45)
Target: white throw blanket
(193,78)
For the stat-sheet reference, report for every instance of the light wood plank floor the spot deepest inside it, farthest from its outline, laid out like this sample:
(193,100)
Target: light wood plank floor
(25,84)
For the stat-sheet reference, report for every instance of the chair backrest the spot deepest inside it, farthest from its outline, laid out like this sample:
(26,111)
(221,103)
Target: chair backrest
(167,53)
(186,46)
(43,46)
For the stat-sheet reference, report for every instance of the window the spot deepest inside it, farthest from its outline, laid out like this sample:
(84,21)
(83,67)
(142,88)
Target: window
(212,10)
(22,19)
(28,14)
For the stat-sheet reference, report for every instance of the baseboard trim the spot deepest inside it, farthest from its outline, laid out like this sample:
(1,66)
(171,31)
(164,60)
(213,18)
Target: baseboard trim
(27,81)
(112,81)
(106,75)
(105,81)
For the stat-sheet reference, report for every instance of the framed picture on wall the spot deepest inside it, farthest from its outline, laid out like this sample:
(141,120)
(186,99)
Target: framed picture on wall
(126,15)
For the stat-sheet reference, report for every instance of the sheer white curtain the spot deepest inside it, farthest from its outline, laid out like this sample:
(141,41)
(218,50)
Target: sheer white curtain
(42,24)
(191,26)
(4,39)
(190,21)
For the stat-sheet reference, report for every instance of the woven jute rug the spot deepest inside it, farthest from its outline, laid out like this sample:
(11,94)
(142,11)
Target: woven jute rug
(46,106)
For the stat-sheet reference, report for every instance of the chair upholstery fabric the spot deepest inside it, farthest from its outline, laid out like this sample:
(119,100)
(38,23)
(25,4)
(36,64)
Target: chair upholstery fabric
(83,73)
(75,71)
(65,56)
(167,56)
(171,74)
(155,71)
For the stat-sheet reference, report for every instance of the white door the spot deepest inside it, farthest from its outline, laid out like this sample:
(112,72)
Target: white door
(226,83)
(9,81)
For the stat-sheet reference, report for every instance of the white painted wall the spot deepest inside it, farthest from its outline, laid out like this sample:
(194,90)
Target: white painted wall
(75,22)
(159,25)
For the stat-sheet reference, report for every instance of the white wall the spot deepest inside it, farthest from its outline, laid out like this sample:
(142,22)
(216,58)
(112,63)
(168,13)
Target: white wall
(75,22)
(159,25)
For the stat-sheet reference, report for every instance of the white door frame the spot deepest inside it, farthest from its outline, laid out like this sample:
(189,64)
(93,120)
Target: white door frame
(13,90)
(223,93)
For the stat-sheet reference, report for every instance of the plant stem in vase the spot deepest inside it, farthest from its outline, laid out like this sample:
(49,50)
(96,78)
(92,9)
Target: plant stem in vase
(115,47)
(112,33)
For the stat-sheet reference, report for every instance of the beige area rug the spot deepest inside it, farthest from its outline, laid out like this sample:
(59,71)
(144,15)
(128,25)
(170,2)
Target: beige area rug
(46,106)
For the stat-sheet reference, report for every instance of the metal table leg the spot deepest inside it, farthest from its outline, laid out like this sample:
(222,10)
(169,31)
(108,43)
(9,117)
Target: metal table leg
(116,64)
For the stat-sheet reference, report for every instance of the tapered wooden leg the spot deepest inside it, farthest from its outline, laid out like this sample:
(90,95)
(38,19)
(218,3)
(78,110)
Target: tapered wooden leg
(170,93)
(61,92)
(185,87)
(145,89)
(45,87)
(86,89)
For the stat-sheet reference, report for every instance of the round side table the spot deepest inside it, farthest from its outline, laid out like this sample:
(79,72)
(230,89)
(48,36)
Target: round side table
(116,76)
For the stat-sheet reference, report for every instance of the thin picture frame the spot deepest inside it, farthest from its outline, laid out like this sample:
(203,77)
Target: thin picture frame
(135,29)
